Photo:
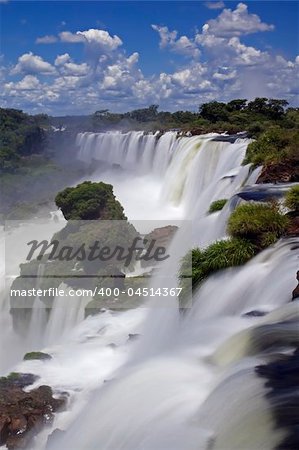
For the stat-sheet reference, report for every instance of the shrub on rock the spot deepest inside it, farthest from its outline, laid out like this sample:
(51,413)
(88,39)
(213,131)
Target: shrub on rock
(218,256)
(273,146)
(292,199)
(217,205)
(260,224)
(89,201)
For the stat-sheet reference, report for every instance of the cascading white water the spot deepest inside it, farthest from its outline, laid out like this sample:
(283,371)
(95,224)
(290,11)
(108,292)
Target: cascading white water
(188,173)
(172,388)
(185,397)
(39,314)
(65,314)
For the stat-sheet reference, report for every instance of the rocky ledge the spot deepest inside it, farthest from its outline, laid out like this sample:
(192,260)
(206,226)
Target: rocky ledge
(293,229)
(295,293)
(23,414)
(284,172)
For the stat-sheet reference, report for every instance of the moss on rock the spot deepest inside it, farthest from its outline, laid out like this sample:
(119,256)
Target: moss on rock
(217,205)
(37,355)
(89,201)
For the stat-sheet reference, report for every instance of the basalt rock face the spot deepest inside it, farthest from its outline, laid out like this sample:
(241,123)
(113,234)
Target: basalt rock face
(295,293)
(284,172)
(160,237)
(282,383)
(23,414)
(293,229)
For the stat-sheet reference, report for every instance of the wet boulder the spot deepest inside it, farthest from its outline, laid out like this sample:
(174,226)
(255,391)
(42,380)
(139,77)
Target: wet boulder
(23,414)
(295,293)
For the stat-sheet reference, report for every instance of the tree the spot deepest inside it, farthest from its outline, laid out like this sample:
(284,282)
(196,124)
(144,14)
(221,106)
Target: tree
(214,111)
(145,114)
(237,105)
(101,112)
(272,108)
(258,105)
(184,116)
(20,135)
(276,108)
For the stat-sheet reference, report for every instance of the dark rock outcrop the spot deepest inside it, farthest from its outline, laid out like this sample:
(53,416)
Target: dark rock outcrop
(282,382)
(293,228)
(254,313)
(23,414)
(160,237)
(295,293)
(286,171)
(37,356)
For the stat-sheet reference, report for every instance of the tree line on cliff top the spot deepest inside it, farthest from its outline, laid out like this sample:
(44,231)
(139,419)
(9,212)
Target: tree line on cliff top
(23,135)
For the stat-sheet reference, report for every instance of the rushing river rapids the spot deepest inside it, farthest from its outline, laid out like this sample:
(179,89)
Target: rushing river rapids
(209,379)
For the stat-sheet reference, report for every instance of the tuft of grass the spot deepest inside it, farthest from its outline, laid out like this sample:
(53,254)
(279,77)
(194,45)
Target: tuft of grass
(260,224)
(292,199)
(217,205)
(218,256)
(252,227)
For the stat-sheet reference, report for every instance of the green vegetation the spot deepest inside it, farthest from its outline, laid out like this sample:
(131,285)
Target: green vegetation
(260,224)
(274,146)
(17,380)
(37,355)
(218,256)
(271,122)
(31,172)
(237,115)
(89,201)
(252,227)
(12,376)
(217,205)
(21,135)
(147,119)
(292,199)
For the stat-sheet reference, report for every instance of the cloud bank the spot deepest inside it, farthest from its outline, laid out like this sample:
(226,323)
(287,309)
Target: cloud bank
(213,63)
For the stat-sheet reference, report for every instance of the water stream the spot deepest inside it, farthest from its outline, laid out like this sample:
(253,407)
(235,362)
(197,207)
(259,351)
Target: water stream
(188,382)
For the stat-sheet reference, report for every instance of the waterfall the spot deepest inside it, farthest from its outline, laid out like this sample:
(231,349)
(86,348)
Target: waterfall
(133,150)
(39,315)
(201,391)
(189,381)
(66,312)
(188,172)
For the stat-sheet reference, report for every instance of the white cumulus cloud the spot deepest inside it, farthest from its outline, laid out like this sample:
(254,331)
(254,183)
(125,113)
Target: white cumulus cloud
(62,59)
(182,45)
(108,77)
(33,64)
(236,22)
(48,39)
(100,39)
(29,82)
(71,38)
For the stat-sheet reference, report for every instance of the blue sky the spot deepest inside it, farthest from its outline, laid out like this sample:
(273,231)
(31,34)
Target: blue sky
(79,56)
